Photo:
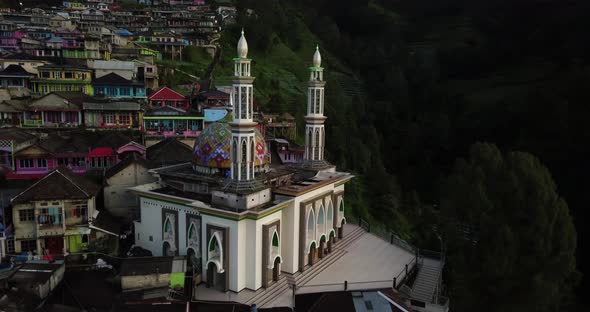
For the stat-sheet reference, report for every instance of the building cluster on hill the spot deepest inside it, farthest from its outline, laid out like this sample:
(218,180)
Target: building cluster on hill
(100,30)
(188,196)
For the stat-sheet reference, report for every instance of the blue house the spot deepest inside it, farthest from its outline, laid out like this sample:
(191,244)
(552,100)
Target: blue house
(115,86)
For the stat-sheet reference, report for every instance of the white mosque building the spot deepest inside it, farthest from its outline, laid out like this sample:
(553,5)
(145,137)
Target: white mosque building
(242,220)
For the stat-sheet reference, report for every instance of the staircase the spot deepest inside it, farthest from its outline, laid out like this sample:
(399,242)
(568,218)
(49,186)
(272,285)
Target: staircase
(265,296)
(426,282)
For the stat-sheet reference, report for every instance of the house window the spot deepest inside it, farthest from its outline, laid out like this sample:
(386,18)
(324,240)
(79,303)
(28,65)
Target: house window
(41,163)
(149,69)
(44,74)
(26,215)
(68,75)
(78,161)
(124,119)
(71,117)
(53,117)
(26,163)
(49,216)
(80,211)
(10,246)
(111,91)
(16,82)
(28,245)
(63,161)
(125,91)
(109,119)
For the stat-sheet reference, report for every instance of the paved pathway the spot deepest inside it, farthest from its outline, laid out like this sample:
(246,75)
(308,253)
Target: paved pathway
(364,260)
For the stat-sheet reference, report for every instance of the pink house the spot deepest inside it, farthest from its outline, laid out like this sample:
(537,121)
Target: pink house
(78,151)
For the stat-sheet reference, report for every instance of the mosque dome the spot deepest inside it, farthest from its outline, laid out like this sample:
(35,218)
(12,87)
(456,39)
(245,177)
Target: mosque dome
(212,148)
(317,57)
(242,46)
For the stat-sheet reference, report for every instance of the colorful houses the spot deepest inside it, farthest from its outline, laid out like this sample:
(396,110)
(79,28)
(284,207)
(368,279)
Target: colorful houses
(53,78)
(113,85)
(112,113)
(79,151)
(168,97)
(51,216)
(57,109)
(45,155)
(168,121)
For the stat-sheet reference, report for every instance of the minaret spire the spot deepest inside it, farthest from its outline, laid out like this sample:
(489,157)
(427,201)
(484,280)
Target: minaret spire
(242,124)
(314,120)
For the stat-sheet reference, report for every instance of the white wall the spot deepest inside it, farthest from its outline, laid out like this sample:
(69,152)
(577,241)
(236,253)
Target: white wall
(151,224)
(235,284)
(259,248)
(290,227)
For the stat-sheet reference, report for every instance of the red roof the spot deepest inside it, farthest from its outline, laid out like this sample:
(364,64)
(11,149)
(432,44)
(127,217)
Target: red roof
(166,93)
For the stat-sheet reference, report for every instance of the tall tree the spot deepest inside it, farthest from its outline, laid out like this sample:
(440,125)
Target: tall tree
(510,237)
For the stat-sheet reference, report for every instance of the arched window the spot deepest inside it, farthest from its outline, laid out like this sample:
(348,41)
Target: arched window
(330,215)
(191,232)
(342,205)
(310,225)
(316,144)
(213,244)
(215,250)
(321,220)
(275,239)
(167,227)
(244,151)
(321,215)
(309,143)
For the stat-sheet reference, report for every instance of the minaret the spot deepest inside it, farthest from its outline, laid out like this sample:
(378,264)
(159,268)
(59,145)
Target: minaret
(314,120)
(242,124)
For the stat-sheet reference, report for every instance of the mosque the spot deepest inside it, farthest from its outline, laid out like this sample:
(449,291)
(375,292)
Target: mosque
(241,220)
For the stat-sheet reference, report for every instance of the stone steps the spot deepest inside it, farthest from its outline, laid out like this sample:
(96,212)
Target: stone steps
(426,283)
(281,286)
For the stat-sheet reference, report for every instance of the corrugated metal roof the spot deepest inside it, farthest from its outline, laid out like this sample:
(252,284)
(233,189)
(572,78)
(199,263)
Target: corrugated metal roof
(126,106)
(114,65)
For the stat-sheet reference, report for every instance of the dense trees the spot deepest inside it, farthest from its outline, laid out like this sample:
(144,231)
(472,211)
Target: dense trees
(436,76)
(509,234)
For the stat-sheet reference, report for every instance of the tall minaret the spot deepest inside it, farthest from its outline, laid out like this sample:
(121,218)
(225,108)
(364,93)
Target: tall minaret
(242,125)
(314,120)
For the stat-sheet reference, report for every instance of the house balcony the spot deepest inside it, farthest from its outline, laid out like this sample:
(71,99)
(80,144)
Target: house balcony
(172,134)
(32,123)
(50,230)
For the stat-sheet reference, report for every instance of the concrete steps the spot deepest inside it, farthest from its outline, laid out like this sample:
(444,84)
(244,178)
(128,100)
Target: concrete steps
(301,278)
(426,283)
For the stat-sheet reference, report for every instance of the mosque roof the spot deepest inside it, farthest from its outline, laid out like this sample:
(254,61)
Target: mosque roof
(212,147)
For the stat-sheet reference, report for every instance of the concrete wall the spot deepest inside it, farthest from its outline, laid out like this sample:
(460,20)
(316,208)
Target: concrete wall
(118,200)
(241,201)
(145,281)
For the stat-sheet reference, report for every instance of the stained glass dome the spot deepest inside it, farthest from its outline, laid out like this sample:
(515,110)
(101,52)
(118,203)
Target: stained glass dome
(212,147)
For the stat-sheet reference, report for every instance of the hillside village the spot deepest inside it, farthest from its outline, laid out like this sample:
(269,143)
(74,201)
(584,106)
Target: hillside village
(158,195)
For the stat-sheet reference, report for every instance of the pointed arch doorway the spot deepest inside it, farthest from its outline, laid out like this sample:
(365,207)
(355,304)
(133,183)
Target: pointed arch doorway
(312,254)
(276,270)
(215,279)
